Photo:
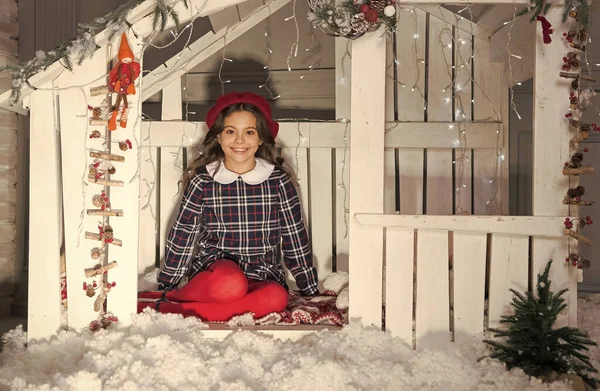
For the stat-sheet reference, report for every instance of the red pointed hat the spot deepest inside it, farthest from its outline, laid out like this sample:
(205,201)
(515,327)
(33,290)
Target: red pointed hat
(245,97)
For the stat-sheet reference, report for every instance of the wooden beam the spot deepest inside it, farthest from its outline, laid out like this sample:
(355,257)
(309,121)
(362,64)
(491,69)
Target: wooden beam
(202,49)
(224,18)
(43,307)
(494,17)
(456,20)
(367,169)
(482,135)
(511,225)
(551,135)
(522,34)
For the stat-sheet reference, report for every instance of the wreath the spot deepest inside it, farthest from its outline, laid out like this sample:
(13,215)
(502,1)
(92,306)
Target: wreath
(352,18)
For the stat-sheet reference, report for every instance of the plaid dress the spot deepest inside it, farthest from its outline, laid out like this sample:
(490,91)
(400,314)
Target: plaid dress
(243,218)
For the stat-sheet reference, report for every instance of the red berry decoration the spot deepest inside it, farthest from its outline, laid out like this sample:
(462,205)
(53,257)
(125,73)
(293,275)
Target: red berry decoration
(586,149)
(364,8)
(114,284)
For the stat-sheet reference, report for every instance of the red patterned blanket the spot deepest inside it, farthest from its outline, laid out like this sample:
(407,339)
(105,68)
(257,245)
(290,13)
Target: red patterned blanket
(319,309)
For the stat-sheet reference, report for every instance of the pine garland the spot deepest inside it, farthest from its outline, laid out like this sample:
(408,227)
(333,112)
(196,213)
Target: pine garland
(531,342)
(581,7)
(84,45)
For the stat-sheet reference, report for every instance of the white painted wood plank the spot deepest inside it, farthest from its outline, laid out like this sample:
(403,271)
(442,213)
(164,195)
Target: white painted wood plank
(462,103)
(486,172)
(487,90)
(462,183)
(297,161)
(410,162)
(488,165)
(518,225)
(453,19)
(321,211)
(225,17)
(439,182)
(247,7)
(43,308)
(389,181)
(440,191)
(399,283)
(343,76)
(77,195)
(410,54)
(366,170)
(171,108)
(148,209)
(390,81)
(509,268)
(469,261)
(522,33)
(551,135)
(439,88)
(432,301)
(171,165)
(342,218)
(122,300)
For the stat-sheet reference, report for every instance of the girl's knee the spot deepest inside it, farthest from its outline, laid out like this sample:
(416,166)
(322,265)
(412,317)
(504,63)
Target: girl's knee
(229,282)
(274,296)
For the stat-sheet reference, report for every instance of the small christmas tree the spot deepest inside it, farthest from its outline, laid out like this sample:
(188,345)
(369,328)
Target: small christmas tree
(531,342)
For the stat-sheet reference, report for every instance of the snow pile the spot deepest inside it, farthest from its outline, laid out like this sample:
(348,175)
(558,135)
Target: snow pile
(168,352)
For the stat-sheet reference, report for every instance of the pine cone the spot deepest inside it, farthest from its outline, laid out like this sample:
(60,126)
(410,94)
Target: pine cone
(359,24)
(98,201)
(576,192)
(97,112)
(378,5)
(123,146)
(112,170)
(585,264)
(576,159)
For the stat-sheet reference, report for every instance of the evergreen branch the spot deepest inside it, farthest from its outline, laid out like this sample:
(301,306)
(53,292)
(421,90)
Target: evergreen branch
(83,46)
(532,344)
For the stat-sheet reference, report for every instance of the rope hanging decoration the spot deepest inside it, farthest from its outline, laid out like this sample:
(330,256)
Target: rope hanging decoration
(352,18)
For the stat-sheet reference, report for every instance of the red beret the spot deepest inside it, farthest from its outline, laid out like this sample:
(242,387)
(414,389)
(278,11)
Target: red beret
(245,97)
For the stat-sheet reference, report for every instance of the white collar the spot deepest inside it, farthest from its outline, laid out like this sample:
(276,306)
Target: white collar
(261,171)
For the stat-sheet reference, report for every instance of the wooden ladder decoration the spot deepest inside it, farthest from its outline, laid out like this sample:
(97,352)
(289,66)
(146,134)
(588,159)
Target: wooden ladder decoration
(574,167)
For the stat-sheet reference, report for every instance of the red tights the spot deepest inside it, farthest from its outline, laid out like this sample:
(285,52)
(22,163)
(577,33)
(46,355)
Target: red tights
(219,293)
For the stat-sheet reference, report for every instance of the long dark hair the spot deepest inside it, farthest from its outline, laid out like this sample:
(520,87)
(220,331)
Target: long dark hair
(210,149)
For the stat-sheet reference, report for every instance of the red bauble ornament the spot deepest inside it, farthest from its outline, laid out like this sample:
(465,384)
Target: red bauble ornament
(371,15)
(364,8)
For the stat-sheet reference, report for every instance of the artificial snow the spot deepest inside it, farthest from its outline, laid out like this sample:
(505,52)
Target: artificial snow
(168,352)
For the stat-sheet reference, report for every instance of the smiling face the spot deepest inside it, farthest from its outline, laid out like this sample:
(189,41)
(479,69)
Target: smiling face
(239,141)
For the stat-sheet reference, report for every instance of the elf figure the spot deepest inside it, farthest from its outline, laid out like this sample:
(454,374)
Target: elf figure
(121,80)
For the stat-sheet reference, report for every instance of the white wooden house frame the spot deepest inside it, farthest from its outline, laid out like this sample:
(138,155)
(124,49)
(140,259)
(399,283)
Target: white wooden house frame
(378,191)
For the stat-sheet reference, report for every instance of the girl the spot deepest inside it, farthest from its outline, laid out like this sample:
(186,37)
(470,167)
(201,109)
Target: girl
(239,205)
